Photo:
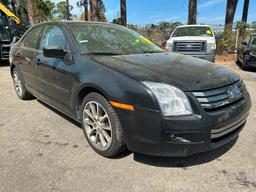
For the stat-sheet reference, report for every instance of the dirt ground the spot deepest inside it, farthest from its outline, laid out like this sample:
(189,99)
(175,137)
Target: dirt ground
(42,150)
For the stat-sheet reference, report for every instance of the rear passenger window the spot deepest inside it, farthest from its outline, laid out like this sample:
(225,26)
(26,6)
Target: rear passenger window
(31,38)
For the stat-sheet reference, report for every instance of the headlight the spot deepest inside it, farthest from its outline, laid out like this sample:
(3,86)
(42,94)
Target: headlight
(211,46)
(169,46)
(172,101)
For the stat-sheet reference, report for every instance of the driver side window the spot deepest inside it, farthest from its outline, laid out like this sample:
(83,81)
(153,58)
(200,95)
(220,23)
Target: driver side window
(53,36)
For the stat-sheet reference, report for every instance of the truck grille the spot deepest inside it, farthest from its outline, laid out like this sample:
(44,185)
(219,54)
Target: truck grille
(190,46)
(220,97)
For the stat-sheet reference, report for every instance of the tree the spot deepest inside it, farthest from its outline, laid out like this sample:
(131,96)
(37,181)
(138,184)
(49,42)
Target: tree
(45,9)
(68,15)
(94,10)
(84,4)
(245,11)
(192,12)
(230,13)
(123,12)
(243,24)
(97,10)
(61,10)
(32,13)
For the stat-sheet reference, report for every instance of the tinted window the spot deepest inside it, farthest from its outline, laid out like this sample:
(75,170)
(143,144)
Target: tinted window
(32,37)
(53,36)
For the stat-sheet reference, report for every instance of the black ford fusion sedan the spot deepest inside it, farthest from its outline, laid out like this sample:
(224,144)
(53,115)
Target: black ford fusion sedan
(126,92)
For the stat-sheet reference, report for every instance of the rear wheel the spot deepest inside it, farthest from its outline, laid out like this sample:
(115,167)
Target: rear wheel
(101,126)
(19,86)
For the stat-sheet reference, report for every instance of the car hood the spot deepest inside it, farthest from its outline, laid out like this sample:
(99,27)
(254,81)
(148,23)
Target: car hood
(185,72)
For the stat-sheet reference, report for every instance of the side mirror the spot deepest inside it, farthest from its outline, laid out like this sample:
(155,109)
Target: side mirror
(54,52)
(244,43)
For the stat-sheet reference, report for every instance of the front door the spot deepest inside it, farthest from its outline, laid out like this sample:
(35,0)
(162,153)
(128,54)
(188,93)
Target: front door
(55,73)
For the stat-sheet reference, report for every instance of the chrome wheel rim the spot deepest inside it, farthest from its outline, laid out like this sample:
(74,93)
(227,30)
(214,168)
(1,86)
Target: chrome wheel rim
(17,83)
(97,125)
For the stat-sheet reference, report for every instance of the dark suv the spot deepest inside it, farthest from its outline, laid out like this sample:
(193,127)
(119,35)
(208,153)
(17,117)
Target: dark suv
(126,92)
(246,54)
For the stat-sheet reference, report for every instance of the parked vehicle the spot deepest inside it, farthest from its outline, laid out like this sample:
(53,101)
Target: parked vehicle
(127,92)
(194,40)
(9,31)
(246,54)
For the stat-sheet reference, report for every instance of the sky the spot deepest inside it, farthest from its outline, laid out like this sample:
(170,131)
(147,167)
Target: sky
(142,12)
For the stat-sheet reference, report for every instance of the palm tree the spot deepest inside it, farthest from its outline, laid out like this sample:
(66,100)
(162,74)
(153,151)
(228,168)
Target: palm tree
(84,4)
(93,9)
(245,11)
(123,12)
(97,10)
(192,12)
(230,13)
(67,10)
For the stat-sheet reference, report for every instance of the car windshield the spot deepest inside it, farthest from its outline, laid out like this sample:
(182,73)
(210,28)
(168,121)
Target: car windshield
(110,39)
(193,31)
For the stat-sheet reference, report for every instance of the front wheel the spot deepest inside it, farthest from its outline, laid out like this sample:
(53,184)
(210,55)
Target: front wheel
(101,126)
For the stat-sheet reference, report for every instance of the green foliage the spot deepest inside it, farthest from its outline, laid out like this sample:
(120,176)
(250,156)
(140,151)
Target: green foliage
(60,10)
(117,21)
(45,9)
(226,44)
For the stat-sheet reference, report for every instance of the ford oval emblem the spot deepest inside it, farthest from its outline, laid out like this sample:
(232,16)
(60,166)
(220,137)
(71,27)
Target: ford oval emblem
(234,92)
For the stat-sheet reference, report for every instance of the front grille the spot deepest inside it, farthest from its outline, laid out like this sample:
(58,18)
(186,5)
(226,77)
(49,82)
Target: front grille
(226,131)
(220,97)
(189,46)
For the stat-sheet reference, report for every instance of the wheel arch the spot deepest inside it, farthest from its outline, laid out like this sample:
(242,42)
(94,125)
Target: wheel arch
(81,94)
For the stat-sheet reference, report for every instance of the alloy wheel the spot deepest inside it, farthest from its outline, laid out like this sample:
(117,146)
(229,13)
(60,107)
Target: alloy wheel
(97,125)
(17,83)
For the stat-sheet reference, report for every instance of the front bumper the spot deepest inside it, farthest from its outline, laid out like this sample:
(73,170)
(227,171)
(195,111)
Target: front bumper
(147,132)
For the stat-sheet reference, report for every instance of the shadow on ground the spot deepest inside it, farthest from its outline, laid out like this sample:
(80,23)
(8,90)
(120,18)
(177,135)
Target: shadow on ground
(61,114)
(183,162)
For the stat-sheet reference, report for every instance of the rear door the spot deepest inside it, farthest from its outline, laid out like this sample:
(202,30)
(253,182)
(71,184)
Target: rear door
(24,56)
(55,74)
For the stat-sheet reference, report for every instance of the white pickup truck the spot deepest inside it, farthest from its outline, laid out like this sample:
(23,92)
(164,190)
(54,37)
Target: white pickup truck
(194,40)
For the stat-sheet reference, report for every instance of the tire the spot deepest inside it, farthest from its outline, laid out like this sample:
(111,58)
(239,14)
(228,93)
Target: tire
(101,126)
(244,65)
(19,86)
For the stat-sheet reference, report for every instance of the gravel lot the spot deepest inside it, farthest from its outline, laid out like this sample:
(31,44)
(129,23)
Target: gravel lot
(42,150)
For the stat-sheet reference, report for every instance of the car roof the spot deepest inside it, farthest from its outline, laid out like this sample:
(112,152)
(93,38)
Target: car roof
(193,26)
(75,22)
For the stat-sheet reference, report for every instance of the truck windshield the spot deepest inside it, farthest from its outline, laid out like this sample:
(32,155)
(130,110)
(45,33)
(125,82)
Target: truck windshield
(193,31)
(110,40)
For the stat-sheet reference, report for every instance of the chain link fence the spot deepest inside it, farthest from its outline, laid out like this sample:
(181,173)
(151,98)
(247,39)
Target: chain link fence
(225,45)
